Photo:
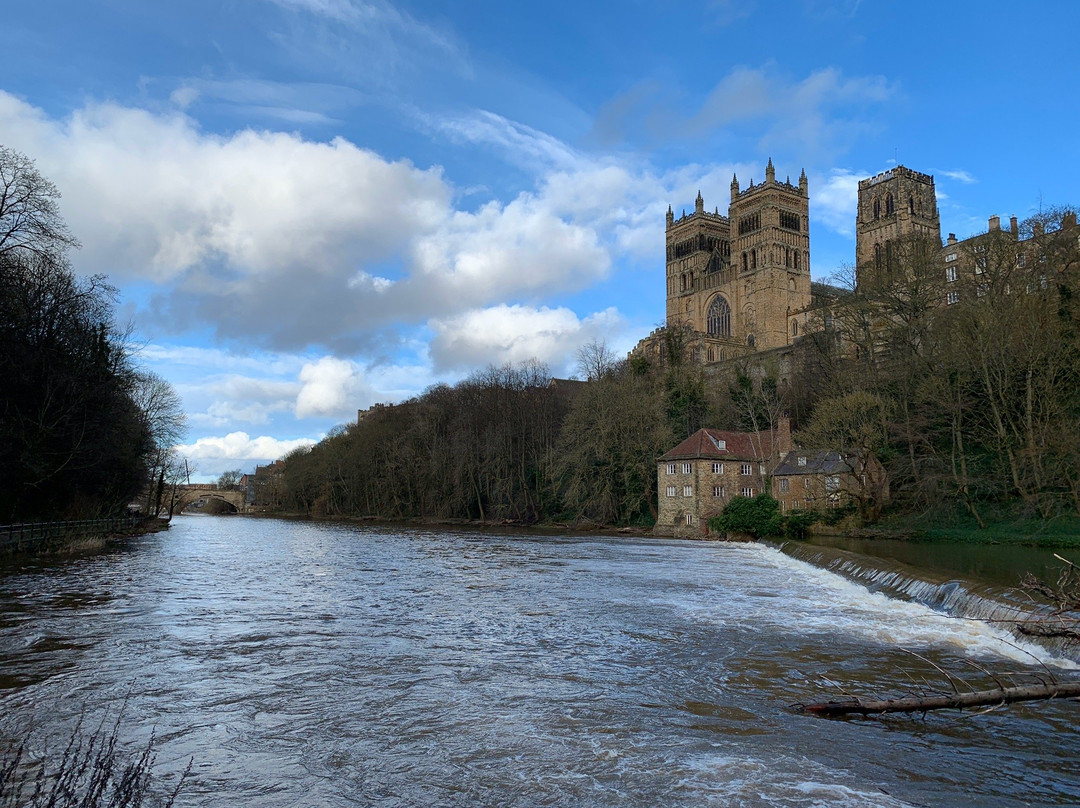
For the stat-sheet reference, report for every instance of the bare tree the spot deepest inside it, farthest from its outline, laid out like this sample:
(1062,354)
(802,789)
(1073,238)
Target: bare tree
(595,360)
(29,214)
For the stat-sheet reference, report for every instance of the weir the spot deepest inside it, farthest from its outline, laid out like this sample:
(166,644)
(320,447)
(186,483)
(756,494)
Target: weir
(1005,607)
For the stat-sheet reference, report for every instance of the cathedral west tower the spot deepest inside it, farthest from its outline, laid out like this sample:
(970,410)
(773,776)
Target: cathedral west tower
(739,279)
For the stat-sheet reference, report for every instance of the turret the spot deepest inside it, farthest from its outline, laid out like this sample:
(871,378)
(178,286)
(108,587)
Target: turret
(734,187)
(670,216)
(699,204)
(804,187)
(770,172)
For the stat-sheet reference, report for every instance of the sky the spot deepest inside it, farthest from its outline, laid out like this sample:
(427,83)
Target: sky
(311,206)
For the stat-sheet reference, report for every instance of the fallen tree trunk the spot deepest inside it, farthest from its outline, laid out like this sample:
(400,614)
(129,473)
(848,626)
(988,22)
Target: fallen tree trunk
(916,704)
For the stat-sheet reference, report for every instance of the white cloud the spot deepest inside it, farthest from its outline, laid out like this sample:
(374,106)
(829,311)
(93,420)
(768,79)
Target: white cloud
(239,447)
(835,200)
(296,229)
(332,387)
(503,334)
(959,176)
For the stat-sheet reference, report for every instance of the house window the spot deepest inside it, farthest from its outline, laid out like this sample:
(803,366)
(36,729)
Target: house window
(746,468)
(717,468)
(832,483)
(748,493)
(670,468)
(980,266)
(801,461)
(794,328)
(952,297)
(718,490)
(761,469)
(1021,260)
(671,490)
(981,289)
(950,258)
(686,468)
(950,274)
(689,519)
(688,490)
(783,485)
(722,446)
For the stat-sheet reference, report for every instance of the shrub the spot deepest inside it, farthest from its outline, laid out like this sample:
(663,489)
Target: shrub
(758,517)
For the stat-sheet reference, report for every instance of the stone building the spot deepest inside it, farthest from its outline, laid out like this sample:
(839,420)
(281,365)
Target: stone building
(740,283)
(817,480)
(697,478)
(895,204)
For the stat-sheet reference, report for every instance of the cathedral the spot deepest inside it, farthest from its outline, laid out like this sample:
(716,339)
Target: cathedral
(740,283)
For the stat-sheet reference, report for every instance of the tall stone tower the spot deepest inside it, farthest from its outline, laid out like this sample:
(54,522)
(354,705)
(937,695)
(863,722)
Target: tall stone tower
(894,204)
(737,279)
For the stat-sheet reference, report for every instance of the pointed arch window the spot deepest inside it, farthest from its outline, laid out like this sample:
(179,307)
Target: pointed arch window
(877,208)
(911,204)
(888,205)
(719,319)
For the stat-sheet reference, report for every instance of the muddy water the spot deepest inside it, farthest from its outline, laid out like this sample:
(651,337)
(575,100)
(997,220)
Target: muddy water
(320,665)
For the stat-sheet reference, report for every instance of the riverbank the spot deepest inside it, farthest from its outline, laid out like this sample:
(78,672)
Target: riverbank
(58,539)
(1061,532)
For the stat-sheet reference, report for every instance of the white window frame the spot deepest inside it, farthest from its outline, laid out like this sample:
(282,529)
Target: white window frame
(952,297)
(671,490)
(783,485)
(688,490)
(801,461)
(748,493)
(950,258)
(717,468)
(718,491)
(687,468)
(670,468)
(950,274)
(746,469)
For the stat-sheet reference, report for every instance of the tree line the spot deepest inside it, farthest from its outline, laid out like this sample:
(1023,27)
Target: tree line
(963,384)
(82,428)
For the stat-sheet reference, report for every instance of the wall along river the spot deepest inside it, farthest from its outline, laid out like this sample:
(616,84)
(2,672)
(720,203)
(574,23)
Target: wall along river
(305,664)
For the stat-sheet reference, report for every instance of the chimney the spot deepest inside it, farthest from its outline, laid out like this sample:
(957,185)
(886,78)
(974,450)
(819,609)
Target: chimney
(1068,220)
(952,238)
(1013,227)
(783,435)
(995,222)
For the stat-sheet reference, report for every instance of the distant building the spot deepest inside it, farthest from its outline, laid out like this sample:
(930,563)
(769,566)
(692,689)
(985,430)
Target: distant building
(697,478)
(269,485)
(817,480)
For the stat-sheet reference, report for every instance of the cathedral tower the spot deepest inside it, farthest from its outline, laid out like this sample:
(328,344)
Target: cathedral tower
(736,279)
(895,204)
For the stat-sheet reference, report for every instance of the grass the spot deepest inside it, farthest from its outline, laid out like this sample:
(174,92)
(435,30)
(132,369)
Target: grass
(91,772)
(1003,526)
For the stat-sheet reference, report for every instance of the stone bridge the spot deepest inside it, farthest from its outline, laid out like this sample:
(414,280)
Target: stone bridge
(187,495)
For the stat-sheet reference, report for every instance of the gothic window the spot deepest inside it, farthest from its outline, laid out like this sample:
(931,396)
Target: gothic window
(745,264)
(877,256)
(877,208)
(794,328)
(789,220)
(719,319)
(796,259)
(787,257)
(888,205)
(911,204)
(753,259)
(750,341)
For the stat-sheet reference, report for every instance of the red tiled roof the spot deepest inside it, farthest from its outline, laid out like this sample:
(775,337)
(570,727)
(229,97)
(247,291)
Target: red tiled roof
(737,446)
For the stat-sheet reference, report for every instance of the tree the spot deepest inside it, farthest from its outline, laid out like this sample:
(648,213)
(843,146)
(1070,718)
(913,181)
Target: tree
(30,220)
(78,423)
(595,360)
(229,479)
(856,426)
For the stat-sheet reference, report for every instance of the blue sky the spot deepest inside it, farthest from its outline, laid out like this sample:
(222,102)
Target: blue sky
(313,205)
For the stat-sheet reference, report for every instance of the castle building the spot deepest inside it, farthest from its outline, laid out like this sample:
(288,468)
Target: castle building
(741,282)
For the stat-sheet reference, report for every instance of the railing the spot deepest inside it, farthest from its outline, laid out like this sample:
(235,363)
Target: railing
(35,536)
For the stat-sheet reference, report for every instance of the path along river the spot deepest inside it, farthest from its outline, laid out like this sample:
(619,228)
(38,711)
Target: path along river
(310,664)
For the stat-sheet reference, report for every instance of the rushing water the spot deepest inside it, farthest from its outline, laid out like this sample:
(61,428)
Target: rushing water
(318,665)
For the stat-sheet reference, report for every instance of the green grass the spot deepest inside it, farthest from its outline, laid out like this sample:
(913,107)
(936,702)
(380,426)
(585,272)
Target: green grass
(1002,527)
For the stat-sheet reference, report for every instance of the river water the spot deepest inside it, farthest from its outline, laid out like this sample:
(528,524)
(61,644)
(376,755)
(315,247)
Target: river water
(306,664)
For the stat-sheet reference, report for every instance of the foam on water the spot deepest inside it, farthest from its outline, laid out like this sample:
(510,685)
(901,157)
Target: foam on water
(807,600)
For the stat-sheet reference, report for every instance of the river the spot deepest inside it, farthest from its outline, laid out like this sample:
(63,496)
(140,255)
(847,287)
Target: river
(307,664)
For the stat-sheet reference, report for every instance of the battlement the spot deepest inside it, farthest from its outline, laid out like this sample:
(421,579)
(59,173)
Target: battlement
(899,171)
(752,189)
(687,218)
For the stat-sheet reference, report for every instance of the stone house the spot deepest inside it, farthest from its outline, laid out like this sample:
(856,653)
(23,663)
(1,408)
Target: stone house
(817,480)
(697,478)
